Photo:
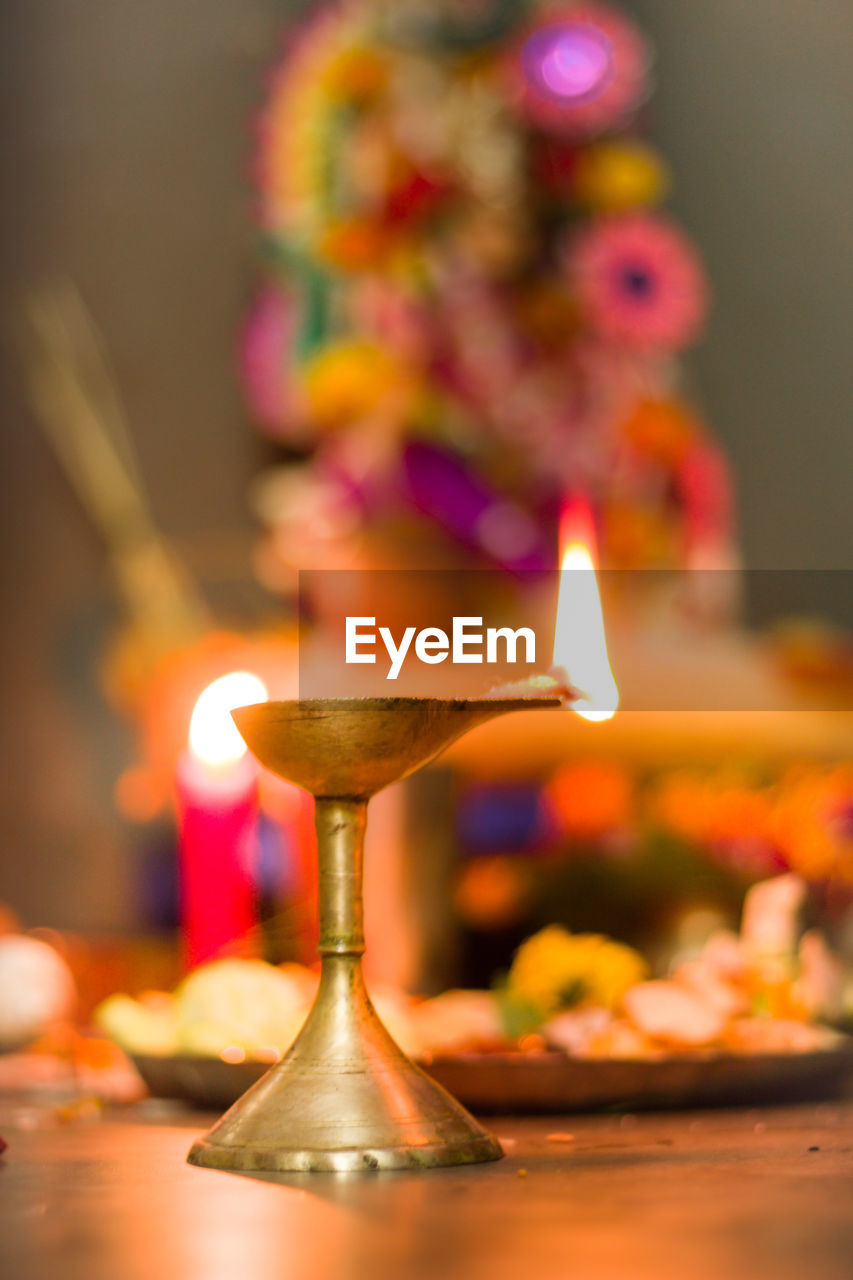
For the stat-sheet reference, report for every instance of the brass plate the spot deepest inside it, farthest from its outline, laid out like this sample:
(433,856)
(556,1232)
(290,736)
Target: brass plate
(554,1082)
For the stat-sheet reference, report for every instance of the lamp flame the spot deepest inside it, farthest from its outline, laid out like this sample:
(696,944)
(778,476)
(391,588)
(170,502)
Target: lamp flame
(213,735)
(580,646)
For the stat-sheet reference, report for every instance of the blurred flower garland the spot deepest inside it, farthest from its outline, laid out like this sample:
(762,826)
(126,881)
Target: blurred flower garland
(746,826)
(472,304)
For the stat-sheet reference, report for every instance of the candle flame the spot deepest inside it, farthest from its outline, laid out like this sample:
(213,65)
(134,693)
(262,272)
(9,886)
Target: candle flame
(213,734)
(580,646)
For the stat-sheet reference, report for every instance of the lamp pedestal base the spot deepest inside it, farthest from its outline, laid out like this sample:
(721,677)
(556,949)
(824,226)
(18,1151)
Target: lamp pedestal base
(345,1098)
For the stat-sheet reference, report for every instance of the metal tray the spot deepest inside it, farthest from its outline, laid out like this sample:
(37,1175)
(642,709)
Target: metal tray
(554,1082)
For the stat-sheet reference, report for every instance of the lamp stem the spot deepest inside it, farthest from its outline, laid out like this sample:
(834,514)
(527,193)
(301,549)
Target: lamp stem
(340,849)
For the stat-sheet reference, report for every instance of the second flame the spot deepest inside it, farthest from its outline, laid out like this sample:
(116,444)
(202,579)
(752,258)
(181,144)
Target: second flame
(580,646)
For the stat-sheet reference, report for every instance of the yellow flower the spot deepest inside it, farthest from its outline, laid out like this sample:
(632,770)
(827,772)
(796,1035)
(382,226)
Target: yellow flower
(349,379)
(355,74)
(556,968)
(613,176)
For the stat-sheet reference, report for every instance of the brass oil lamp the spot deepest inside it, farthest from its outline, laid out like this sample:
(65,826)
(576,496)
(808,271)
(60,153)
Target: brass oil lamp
(345,1097)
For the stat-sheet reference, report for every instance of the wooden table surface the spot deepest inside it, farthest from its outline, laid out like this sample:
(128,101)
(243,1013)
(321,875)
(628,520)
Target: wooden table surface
(697,1196)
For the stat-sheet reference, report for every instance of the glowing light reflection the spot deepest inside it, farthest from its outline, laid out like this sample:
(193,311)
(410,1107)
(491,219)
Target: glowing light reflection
(571,64)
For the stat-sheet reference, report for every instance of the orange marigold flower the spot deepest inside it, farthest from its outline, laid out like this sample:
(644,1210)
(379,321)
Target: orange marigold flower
(591,798)
(355,244)
(492,892)
(661,429)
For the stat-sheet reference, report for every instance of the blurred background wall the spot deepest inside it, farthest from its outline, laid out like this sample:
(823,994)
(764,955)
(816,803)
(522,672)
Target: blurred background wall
(123,168)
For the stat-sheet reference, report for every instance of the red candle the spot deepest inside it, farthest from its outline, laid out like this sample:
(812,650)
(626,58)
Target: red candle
(217,796)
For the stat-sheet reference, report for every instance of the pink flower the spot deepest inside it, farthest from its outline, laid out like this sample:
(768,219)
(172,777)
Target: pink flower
(638,281)
(384,311)
(704,484)
(265,361)
(581,68)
